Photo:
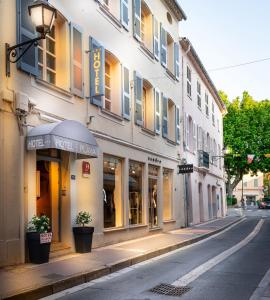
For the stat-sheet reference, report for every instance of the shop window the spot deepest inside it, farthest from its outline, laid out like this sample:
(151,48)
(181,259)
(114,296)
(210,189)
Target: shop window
(167,194)
(170,51)
(146,27)
(171,120)
(135,193)
(112,192)
(148,106)
(52,55)
(153,195)
(112,99)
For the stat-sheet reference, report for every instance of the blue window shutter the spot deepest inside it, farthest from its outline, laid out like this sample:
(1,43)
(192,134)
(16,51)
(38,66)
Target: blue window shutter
(76,46)
(177,124)
(97,98)
(137,19)
(138,94)
(125,93)
(26,31)
(156,38)
(176,61)
(157,111)
(164,116)
(163,46)
(124,13)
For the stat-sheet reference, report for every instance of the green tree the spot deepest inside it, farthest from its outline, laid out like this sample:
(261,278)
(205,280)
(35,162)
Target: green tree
(246,131)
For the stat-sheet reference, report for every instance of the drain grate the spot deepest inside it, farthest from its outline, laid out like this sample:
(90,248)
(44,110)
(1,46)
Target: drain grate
(170,290)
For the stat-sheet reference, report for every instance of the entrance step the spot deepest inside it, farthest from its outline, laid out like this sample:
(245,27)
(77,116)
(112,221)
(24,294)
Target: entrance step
(59,249)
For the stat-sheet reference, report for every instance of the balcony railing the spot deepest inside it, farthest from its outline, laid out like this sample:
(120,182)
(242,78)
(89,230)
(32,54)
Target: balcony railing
(203,159)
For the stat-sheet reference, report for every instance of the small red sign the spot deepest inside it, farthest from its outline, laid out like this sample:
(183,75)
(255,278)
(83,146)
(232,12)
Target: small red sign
(45,238)
(85,169)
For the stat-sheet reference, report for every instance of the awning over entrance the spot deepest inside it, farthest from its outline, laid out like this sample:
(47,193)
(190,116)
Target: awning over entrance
(67,135)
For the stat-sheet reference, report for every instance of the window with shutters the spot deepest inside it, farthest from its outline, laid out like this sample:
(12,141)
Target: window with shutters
(206,105)
(148,106)
(215,152)
(188,81)
(53,62)
(199,96)
(113,6)
(191,134)
(146,27)
(213,113)
(170,53)
(112,98)
(171,120)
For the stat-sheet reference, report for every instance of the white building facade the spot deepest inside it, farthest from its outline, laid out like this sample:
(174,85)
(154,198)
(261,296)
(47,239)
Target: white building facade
(203,140)
(113,67)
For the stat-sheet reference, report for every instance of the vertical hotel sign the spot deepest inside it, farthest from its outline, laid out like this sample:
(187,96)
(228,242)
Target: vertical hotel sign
(97,72)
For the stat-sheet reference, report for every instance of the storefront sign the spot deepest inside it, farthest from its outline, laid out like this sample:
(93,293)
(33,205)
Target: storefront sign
(97,72)
(183,169)
(45,238)
(85,169)
(154,160)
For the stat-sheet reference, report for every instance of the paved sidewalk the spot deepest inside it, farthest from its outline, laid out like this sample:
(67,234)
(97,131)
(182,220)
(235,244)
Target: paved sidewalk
(30,281)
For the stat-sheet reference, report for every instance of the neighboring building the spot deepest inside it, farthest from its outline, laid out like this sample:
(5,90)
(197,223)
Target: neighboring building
(203,112)
(251,187)
(120,162)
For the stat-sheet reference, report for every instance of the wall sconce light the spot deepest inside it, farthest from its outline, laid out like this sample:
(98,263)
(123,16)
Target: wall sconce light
(43,16)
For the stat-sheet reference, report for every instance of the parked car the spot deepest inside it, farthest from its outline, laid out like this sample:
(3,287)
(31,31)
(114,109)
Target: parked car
(264,203)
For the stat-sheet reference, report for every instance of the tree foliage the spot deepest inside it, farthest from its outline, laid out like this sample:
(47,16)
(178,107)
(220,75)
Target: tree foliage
(246,131)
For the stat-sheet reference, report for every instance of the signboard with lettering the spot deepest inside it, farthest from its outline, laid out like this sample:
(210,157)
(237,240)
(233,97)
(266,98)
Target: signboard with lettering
(85,169)
(45,238)
(97,72)
(184,169)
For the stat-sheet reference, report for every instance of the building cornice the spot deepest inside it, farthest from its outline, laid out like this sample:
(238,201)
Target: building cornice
(195,59)
(176,9)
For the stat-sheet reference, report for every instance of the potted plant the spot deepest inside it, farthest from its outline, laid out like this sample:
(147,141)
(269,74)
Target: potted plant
(39,239)
(83,235)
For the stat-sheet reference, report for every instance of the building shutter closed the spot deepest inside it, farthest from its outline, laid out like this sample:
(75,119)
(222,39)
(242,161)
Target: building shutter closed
(138,93)
(97,72)
(125,93)
(124,13)
(25,32)
(177,124)
(156,38)
(157,111)
(164,116)
(137,19)
(163,46)
(76,60)
(176,61)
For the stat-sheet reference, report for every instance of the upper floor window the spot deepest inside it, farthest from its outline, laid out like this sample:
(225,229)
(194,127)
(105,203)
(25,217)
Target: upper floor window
(256,183)
(213,114)
(148,106)
(188,81)
(218,125)
(199,97)
(171,119)
(146,27)
(206,104)
(114,7)
(190,133)
(170,53)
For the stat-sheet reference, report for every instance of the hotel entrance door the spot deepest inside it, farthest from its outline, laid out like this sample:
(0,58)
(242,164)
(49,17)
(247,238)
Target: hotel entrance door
(48,187)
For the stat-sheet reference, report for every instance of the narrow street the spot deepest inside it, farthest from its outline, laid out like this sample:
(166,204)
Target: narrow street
(235,276)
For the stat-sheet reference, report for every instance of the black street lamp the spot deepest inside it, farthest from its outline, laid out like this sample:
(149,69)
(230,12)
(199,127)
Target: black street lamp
(43,16)
(225,151)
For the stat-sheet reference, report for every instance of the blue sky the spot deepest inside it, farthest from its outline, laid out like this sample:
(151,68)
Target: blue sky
(229,32)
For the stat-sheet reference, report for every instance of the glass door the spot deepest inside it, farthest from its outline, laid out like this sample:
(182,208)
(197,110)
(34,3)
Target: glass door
(152,200)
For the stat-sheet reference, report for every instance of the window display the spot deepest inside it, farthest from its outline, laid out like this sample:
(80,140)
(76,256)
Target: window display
(167,194)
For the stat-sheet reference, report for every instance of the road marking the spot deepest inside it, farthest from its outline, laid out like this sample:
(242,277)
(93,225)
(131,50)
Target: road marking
(131,268)
(195,273)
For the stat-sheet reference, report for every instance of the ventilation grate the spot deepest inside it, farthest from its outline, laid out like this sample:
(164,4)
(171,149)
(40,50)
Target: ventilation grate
(170,290)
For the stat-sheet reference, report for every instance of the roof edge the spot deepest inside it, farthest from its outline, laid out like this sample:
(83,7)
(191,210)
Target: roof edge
(176,9)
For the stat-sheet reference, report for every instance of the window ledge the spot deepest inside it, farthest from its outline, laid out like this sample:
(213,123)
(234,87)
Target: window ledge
(54,87)
(149,131)
(147,51)
(111,114)
(171,142)
(137,226)
(108,230)
(171,75)
(107,12)
(169,221)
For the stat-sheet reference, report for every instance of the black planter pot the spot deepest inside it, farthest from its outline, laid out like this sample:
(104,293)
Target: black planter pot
(38,253)
(83,238)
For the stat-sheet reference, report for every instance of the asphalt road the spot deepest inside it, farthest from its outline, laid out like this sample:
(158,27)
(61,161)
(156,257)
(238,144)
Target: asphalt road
(235,276)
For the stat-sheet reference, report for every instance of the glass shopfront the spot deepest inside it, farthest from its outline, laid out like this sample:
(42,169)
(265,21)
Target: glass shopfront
(167,194)
(112,192)
(135,193)
(152,195)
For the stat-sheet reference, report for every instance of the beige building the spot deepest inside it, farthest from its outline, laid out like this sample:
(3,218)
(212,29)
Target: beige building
(113,67)
(251,187)
(203,112)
